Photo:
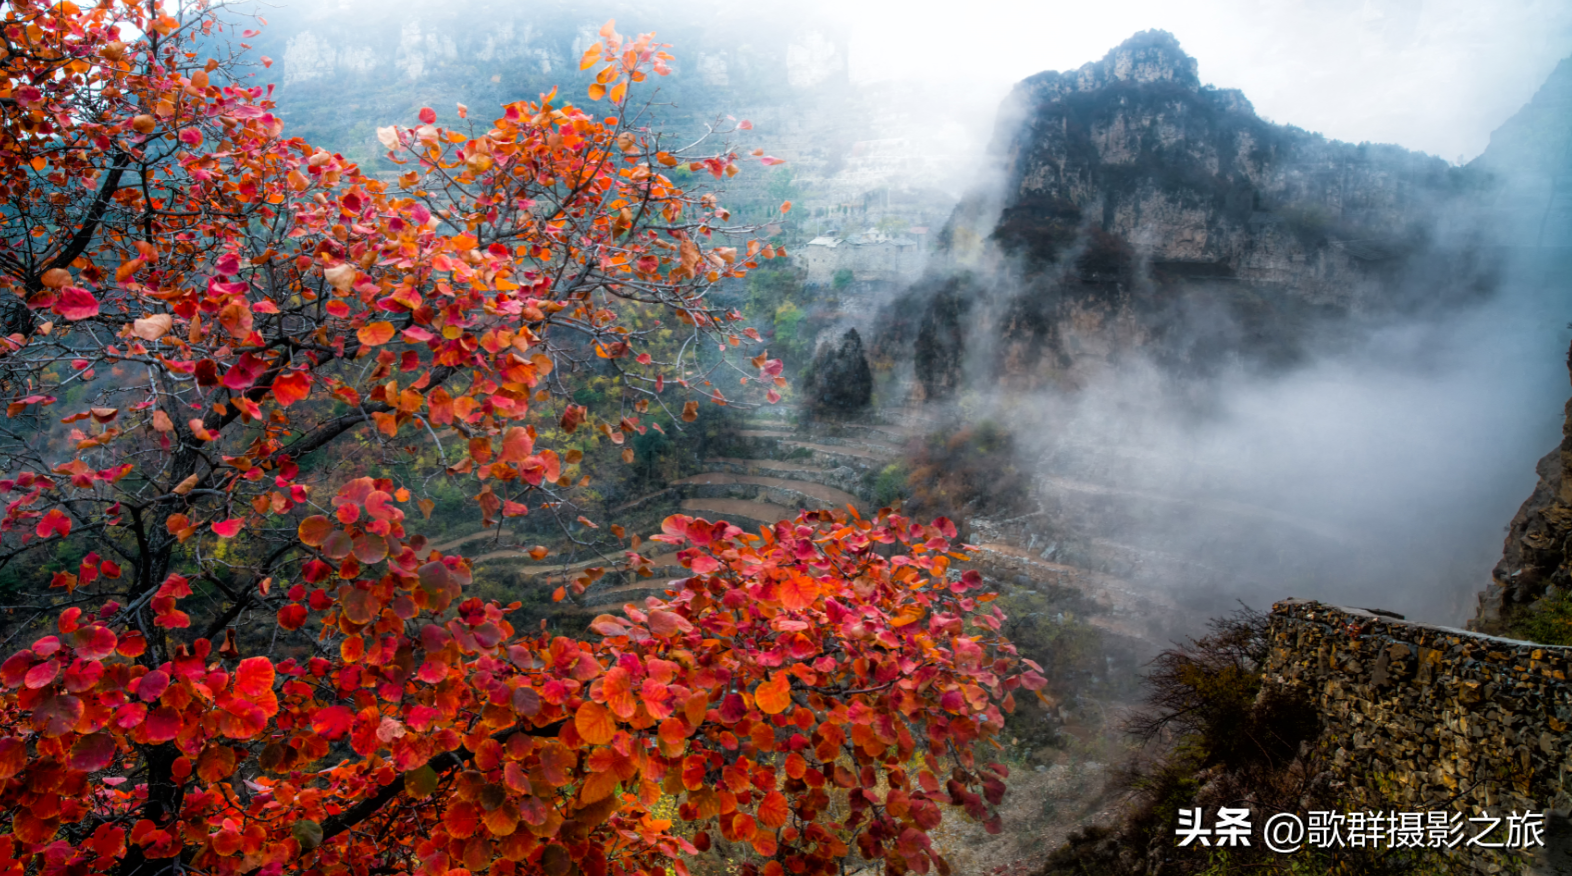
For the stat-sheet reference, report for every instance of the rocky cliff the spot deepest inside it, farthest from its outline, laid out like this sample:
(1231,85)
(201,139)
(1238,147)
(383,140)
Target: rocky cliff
(1530,162)
(1530,158)
(1536,560)
(1141,208)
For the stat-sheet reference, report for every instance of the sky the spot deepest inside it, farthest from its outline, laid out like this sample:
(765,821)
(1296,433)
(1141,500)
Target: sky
(1432,75)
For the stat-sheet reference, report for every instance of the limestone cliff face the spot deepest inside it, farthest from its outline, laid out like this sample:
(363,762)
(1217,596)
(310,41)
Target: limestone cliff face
(1141,208)
(1537,555)
(1195,182)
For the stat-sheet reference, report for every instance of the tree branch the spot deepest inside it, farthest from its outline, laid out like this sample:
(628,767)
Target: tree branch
(442,763)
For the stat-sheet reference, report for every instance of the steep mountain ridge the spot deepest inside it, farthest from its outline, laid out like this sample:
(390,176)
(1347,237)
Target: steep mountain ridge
(1138,208)
(1530,156)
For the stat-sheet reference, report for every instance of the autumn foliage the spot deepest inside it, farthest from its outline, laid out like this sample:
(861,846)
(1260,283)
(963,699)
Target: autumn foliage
(223,345)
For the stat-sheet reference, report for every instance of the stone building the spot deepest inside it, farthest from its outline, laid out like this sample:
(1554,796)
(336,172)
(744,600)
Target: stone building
(873,256)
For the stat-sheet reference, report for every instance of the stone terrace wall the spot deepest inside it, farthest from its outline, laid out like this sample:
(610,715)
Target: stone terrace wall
(1433,716)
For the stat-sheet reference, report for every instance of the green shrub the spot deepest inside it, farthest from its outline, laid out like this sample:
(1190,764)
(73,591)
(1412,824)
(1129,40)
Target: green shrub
(889,486)
(1548,621)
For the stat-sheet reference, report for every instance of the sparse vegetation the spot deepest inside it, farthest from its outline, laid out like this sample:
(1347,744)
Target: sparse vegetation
(1548,621)
(966,471)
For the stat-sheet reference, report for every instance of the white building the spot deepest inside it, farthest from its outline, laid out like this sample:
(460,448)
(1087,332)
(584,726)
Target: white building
(869,256)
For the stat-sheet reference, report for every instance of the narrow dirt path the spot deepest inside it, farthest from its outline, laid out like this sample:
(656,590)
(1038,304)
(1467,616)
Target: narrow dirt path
(807,488)
(764,512)
(464,539)
(842,450)
(766,464)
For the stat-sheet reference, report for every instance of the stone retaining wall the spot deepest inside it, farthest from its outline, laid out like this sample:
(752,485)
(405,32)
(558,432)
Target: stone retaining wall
(1431,717)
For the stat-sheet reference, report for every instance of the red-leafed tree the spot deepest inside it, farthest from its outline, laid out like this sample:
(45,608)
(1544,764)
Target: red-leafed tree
(205,318)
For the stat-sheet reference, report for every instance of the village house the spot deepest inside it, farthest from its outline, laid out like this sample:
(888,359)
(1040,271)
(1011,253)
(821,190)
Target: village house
(871,256)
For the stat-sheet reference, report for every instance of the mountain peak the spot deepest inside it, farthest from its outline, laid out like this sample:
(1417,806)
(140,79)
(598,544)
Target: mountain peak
(1150,56)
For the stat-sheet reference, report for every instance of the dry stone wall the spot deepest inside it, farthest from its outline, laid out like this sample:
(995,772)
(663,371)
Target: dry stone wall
(1429,717)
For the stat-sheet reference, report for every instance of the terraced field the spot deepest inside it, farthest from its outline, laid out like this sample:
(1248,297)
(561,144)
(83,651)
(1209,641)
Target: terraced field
(751,491)
(783,472)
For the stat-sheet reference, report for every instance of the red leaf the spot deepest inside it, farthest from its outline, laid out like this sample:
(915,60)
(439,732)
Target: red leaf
(228,528)
(176,586)
(75,303)
(162,724)
(666,623)
(152,685)
(462,818)
(93,752)
(608,626)
(314,530)
(292,616)
(254,677)
(244,372)
(54,522)
(332,722)
(41,675)
(13,756)
(290,387)
(673,731)
(428,115)
(57,715)
(96,642)
(379,505)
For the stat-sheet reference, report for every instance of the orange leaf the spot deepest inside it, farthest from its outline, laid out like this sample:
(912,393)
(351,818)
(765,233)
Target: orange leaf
(798,592)
(375,334)
(290,387)
(502,821)
(314,530)
(773,810)
(764,843)
(594,723)
(153,327)
(516,444)
(796,765)
(598,786)
(774,696)
(673,731)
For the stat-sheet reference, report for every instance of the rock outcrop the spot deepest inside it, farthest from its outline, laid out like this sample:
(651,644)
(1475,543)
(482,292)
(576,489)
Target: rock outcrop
(1141,208)
(840,382)
(1536,560)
